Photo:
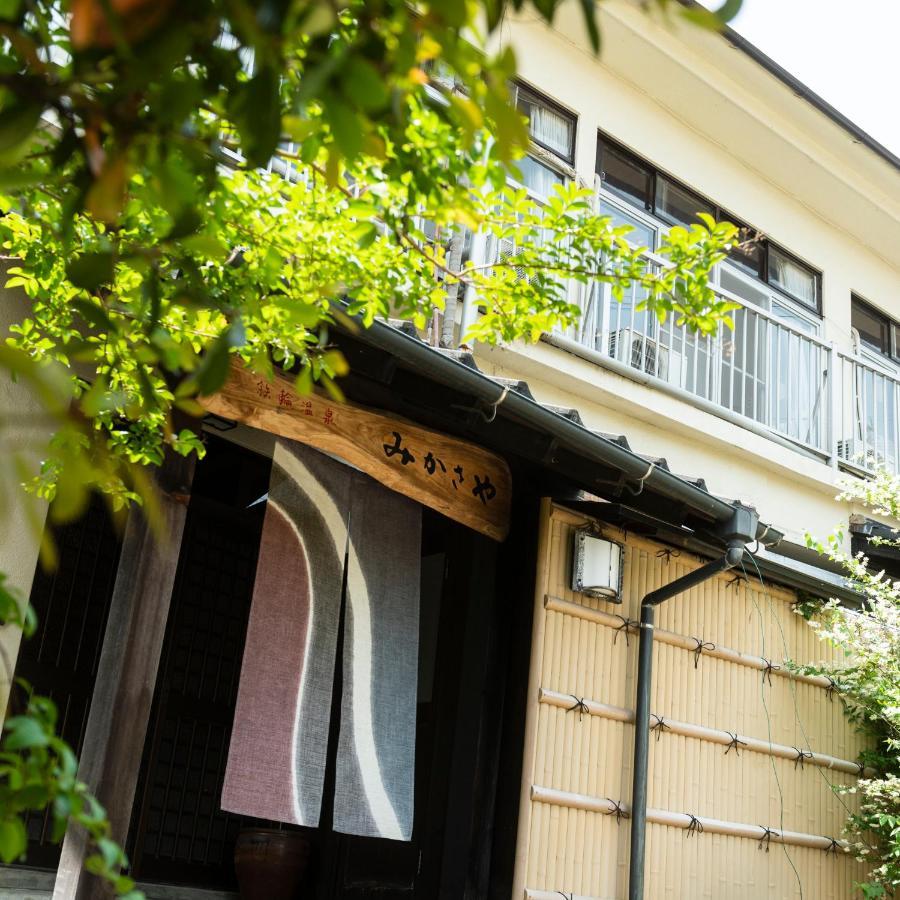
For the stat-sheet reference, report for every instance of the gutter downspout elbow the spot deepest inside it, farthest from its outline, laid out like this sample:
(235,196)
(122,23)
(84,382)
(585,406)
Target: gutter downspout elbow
(732,557)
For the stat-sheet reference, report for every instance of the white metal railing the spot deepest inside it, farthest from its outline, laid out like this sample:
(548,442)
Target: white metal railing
(760,368)
(866,415)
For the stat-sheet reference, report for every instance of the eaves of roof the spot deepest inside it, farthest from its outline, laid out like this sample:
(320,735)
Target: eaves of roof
(801,90)
(804,92)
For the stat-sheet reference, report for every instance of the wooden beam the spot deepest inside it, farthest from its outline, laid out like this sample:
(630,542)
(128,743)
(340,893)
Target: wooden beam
(126,674)
(459,479)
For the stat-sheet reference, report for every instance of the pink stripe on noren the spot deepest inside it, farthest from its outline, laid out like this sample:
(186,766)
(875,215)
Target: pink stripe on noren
(259,778)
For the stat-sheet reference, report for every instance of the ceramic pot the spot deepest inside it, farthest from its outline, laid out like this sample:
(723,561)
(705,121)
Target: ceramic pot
(270,864)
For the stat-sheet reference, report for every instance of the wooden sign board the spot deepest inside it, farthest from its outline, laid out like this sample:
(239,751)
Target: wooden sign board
(464,482)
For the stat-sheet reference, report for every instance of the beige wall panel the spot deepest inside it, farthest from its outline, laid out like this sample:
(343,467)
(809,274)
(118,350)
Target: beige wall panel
(721,867)
(697,777)
(586,852)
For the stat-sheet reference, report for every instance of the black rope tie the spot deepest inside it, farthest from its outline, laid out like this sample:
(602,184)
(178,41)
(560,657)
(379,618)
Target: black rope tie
(833,846)
(696,826)
(659,726)
(701,646)
(566,896)
(860,770)
(766,837)
(801,756)
(580,705)
(832,688)
(735,743)
(626,626)
(736,580)
(667,553)
(769,669)
(617,810)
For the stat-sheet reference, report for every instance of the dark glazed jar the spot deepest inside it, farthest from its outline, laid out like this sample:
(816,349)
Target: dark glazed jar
(270,864)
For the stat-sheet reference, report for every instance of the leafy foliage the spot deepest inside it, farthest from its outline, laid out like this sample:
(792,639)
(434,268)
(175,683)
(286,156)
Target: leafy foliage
(869,683)
(185,182)
(38,772)
(153,246)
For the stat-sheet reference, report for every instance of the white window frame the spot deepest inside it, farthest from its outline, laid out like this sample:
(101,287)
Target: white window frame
(542,155)
(661,228)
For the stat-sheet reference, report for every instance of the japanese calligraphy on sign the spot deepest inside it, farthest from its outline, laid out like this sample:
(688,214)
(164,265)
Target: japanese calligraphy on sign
(459,479)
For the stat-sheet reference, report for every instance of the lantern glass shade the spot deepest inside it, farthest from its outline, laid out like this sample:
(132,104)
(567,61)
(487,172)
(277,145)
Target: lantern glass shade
(597,566)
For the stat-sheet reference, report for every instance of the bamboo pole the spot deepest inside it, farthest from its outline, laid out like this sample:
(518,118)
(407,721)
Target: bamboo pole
(531,894)
(606,806)
(702,733)
(598,617)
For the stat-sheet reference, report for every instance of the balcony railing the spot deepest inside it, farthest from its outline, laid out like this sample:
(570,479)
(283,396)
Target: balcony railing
(762,372)
(866,409)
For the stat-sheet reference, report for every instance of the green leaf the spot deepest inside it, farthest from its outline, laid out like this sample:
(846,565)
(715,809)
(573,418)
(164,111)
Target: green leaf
(12,179)
(589,11)
(206,245)
(728,10)
(9,9)
(33,796)
(213,369)
(17,122)
(110,851)
(90,270)
(363,84)
(24,732)
(256,111)
(365,234)
(13,839)
(345,126)
(188,221)
(106,195)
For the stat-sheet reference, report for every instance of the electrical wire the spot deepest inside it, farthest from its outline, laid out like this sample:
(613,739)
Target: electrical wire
(793,688)
(762,690)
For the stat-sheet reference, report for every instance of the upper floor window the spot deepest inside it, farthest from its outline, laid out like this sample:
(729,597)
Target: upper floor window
(636,181)
(549,125)
(876,330)
(552,132)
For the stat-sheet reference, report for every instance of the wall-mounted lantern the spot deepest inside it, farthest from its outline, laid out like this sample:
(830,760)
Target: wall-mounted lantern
(597,566)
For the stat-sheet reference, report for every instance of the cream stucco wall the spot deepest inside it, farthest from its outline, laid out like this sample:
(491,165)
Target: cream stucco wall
(717,121)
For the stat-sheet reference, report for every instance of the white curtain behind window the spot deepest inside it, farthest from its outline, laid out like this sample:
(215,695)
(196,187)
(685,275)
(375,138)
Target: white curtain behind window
(796,280)
(551,129)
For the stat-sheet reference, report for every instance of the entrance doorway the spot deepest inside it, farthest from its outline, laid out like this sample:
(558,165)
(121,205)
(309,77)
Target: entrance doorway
(179,834)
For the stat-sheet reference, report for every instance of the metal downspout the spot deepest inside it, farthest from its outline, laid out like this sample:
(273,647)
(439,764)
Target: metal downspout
(745,519)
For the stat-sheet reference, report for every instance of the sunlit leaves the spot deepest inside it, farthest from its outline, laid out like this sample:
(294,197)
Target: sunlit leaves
(17,123)
(90,270)
(867,675)
(38,771)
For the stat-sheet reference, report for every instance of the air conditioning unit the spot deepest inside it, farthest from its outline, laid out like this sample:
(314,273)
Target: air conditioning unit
(646,354)
(507,250)
(858,453)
